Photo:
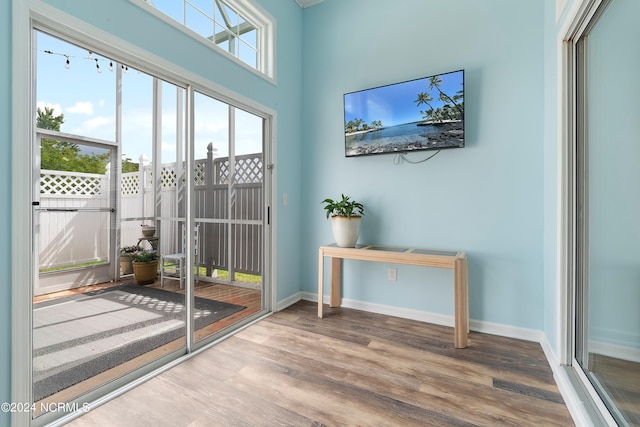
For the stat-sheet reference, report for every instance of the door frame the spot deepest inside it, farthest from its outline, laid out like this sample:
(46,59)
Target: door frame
(99,274)
(27,14)
(584,403)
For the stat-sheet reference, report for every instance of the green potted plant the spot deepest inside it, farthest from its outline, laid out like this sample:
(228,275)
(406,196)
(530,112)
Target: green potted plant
(125,259)
(145,266)
(345,220)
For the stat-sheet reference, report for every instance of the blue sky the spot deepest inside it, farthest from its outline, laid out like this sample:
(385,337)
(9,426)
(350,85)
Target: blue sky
(87,100)
(199,16)
(395,104)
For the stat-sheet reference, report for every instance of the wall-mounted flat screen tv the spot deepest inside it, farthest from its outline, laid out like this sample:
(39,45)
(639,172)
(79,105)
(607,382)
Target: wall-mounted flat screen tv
(421,114)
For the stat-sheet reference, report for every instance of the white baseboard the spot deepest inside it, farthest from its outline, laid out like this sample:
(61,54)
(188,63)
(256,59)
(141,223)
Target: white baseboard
(630,354)
(574,404)
(435,318)
(282,304)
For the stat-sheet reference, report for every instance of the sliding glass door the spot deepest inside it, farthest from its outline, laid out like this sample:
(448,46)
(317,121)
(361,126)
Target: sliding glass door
(229,209)
(100,132)
(117,152)
(607,347)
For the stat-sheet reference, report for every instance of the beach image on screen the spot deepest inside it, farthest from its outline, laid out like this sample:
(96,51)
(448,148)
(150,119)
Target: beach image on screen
(421,114)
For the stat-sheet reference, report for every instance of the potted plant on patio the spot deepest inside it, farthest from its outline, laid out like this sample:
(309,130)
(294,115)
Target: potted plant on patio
(125,259)
(345,220)
(145,266)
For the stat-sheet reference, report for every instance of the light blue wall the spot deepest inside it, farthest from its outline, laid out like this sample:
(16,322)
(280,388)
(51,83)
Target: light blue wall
(289,153)
(5,206)
(486,199)
(550,165)
(495,199)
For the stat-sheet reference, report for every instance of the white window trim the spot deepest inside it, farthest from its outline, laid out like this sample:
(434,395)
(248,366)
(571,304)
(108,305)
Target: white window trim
(24,14)
(21,240)
(261,19)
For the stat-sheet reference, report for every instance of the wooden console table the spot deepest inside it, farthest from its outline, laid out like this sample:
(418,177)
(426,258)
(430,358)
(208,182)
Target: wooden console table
(457,261)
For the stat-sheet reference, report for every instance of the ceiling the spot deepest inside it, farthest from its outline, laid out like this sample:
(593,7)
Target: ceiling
(307,3)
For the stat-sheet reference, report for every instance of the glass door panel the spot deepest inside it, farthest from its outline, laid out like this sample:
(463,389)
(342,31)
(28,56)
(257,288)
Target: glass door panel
(247,200)
(92,322)
(172,186)
(608,340)
(136,189)
(229,210)
(74,218)
(74,213)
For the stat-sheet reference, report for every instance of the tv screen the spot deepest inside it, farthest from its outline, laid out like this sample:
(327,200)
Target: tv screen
(421,114)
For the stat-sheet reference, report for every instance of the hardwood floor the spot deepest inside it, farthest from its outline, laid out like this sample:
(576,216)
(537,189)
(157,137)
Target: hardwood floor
(350,368)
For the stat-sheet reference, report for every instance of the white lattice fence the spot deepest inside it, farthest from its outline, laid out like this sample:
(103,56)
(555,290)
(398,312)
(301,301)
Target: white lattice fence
(130,183)
(248,168)
(72,184)
(61,232)
(71,235)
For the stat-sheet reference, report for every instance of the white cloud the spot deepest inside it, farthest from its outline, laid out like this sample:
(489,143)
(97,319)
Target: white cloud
(81,108)
(97,127)
(57,109)
(96,122)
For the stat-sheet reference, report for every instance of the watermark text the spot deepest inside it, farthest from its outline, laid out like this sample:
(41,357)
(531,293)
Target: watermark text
(43,407)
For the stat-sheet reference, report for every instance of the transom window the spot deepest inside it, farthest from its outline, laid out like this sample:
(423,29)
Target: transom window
(235,26)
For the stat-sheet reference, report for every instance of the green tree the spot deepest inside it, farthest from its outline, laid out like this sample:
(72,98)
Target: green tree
(453,108)
(424,98)
(357,124)
(129,166)
(353,125)
(54,155)
(46,119)
(62,155)
(435,82)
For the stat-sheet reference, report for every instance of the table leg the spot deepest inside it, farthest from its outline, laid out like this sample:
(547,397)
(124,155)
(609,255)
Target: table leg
(336,278)
(466,292)
(461,305)
(320,281)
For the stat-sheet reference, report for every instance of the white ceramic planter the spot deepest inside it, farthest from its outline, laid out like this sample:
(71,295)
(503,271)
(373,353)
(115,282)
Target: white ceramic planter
(148,231)
(346,230)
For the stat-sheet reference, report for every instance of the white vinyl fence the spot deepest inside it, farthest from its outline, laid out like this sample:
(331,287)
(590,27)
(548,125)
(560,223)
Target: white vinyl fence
(73,228)
(69,238)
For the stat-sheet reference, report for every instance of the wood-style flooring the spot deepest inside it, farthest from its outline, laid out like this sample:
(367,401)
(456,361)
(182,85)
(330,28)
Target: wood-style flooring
(351,368)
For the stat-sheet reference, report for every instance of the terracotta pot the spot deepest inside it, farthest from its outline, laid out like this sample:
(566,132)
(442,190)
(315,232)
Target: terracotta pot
(125,264)
(145,273)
